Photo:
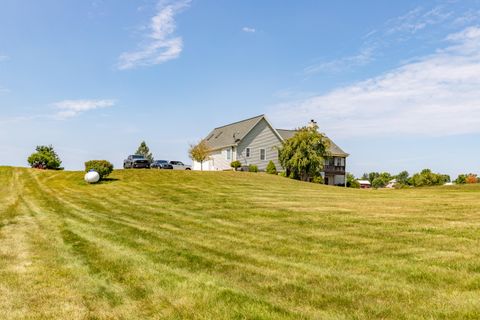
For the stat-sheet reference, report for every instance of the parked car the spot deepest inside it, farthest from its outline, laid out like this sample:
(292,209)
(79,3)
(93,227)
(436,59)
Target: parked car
(136,161)
(161,164)
(178,165)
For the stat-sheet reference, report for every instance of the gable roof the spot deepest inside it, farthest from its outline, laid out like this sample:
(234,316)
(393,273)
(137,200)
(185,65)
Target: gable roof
(231,134)
(334,149)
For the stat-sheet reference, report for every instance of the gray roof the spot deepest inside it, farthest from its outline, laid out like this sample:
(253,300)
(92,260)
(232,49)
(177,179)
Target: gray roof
(231,134)
(335,150)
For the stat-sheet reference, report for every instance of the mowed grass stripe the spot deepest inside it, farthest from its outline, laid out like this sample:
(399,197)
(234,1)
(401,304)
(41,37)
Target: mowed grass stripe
(250,246)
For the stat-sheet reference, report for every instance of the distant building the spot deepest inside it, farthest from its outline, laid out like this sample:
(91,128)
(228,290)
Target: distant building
(391,183)
(255,141)
(364,184)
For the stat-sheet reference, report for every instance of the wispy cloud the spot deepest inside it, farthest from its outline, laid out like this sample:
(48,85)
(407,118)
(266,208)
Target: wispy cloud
(418,19)
(362,58)
(3,57)
(161,44)
(72,108)
(249,29)
(435,95)
(397,30)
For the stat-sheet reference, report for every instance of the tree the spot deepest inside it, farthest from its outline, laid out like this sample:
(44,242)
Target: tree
(235,165)
(461,179)
(471,178)
(304,154)
(352,182)
(381,180)
(271,168)
(372,176)
(45,157)
(145,151)
(427,178)
(199,152)
(402,178)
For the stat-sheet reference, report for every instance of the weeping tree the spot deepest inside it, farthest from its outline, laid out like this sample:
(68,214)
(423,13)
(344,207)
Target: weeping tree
(144,150)
(304,154)
(199,152)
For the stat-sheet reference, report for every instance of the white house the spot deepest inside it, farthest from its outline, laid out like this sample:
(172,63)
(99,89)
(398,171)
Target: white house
(255,141)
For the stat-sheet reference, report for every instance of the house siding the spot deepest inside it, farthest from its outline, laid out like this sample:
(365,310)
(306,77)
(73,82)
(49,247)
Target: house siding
(217,161)
(260,137)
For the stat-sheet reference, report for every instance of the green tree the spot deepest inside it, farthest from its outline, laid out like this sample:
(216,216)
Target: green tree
(372,176)
(235,165)
(199,152)
(45,157)
(304,154)
(144,150)
(381,180)
(271,168)
(352,181)
(427,178)
(461,179)
(402,178)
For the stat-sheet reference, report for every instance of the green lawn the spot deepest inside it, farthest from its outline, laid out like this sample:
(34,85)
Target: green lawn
(233,245)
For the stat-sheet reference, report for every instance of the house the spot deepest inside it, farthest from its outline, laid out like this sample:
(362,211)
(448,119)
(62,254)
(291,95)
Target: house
(255,141)
(364,184)
(391,184)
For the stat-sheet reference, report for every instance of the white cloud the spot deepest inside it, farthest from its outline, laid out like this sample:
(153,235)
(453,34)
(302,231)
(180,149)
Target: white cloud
(72,108)
(362,58)
(434,95)
(418,19)
(394,31)
(160,45)
(249,30)
(3,57)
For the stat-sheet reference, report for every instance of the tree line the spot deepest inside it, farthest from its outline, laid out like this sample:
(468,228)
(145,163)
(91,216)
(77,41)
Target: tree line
(403,179)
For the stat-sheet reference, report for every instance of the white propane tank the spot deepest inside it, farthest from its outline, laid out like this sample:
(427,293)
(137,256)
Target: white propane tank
(92,177)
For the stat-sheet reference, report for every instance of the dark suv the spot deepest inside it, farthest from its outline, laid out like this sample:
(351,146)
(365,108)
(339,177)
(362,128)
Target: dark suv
(136,161)
(161,164)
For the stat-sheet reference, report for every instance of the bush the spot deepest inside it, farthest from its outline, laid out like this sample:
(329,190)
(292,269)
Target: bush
(271,168)
(252,168)
(103,167)
(318,179)
(235,165)
(44,158)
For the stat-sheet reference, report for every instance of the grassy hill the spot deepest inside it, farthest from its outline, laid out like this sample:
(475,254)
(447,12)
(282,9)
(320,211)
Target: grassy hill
(232,245)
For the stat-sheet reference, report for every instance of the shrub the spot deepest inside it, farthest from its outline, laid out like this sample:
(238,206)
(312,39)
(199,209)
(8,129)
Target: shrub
(271,168)
(318,179)
(252,168)
(235,165)
(45,157)
(103,167)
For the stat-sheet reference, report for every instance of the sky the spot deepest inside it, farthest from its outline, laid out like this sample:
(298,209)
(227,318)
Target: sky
(395,83)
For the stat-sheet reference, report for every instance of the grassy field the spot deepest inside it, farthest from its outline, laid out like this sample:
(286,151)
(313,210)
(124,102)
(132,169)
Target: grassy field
(193,245)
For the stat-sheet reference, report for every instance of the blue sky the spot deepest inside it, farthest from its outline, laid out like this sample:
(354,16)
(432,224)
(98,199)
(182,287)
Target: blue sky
(395,83)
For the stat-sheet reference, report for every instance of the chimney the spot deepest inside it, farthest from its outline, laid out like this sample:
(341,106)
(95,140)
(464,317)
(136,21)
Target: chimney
(312,124)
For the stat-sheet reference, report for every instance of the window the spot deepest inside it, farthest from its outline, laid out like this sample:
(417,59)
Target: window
(229,154)
(262,154)
(247,152)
